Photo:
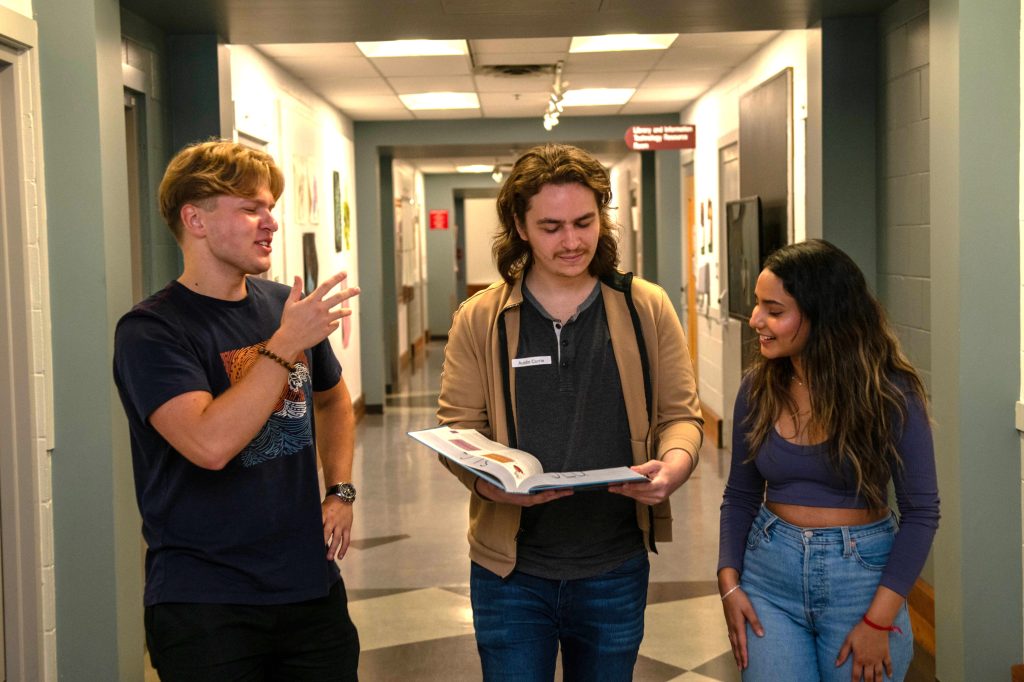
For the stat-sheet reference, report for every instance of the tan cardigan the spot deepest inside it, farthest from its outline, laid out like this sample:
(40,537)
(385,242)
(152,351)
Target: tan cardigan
(473,396)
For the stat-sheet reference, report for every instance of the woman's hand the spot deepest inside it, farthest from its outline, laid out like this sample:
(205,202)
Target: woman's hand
(870,648)
(738,612)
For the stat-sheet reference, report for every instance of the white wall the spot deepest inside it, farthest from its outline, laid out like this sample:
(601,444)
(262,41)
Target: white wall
(716,116)
(622,175)
(410,256)
(481,224)
(20,6)
(310,140)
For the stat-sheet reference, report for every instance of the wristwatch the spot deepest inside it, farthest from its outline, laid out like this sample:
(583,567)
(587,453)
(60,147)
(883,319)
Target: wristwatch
(346,492)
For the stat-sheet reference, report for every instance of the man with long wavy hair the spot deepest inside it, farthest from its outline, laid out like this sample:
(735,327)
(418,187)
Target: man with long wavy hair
(586,368)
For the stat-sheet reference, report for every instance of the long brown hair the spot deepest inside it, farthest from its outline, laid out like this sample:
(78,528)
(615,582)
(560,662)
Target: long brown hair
(859,379)
(551,164)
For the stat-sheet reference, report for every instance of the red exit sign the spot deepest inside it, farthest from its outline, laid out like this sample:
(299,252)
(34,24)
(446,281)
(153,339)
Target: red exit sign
(438,220)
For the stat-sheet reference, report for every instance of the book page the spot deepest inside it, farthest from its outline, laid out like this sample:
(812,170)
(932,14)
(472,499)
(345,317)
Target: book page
(582,479)
(468,448)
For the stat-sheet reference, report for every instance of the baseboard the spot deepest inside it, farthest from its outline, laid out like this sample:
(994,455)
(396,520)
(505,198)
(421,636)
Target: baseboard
(921,605)
(712,425)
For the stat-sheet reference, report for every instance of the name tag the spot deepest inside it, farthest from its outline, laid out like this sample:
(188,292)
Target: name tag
(530,362)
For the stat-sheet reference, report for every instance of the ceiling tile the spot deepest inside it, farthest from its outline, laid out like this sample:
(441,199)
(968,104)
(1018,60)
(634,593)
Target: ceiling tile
(447,114)
(312,68)
(357,114)
(404,85)
(698,78)
(534,100)
(721,56)
(600,110)
(676,95)
(368,101)
(754,38)
(651,108)
(353,87)
(636,60)
(534,83)
(499,58)
(611,79)
(423,66)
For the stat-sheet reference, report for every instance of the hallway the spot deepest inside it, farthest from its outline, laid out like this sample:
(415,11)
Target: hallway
(407,571)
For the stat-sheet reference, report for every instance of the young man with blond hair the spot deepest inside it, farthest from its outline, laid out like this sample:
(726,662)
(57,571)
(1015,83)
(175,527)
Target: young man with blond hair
(221,373)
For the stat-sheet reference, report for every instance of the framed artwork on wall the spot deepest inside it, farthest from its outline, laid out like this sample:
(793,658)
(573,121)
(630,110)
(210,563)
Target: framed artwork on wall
(339,238)
(313,191)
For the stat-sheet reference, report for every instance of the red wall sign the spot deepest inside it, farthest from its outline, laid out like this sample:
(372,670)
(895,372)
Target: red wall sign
(438,220)
(645,138)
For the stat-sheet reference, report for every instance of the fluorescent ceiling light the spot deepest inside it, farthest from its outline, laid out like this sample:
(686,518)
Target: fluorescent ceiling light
(622,42)
(475,168)
(413,48)
(592,97)
(440,100)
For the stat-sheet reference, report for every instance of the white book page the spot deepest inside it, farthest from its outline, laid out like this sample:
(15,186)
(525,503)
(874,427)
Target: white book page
(470,449)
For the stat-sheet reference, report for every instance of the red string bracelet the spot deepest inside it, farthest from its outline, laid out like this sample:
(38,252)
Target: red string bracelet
(891,628)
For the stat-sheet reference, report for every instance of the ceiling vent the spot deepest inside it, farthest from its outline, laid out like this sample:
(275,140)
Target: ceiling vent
(515,70)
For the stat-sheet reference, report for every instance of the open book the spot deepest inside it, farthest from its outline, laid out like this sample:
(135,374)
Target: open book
(512,470)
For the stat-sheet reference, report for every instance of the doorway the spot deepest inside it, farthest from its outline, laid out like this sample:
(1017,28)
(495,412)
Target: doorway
(25,374)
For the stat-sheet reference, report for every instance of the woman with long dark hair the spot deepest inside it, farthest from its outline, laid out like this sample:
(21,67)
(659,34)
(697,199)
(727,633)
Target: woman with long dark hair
(814,568)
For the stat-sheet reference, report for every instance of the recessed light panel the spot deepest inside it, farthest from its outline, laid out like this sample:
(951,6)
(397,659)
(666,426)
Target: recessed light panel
(622,42)
(413,48)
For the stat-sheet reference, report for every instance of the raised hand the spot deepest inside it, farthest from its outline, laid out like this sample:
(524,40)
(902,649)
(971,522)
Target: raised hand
(306,321)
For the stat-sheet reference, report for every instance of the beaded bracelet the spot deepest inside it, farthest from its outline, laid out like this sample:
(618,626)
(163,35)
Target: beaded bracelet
(876,626)
(262,350)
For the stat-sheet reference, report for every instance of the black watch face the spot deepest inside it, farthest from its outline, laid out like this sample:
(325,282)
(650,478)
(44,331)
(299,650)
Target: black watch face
(347,492)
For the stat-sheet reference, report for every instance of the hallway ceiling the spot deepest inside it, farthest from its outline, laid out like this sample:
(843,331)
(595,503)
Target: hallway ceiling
(314,40)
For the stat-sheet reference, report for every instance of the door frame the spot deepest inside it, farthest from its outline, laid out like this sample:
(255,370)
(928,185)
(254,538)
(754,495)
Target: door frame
(26,391)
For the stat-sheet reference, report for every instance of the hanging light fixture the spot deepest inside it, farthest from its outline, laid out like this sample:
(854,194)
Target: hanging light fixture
(555,106)
(497,175)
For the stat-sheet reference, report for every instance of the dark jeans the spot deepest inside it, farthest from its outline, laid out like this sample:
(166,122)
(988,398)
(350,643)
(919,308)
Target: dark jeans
(599,621)
(306,641)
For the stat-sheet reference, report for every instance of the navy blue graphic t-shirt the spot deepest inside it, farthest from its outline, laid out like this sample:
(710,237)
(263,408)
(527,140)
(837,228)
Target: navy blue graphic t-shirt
(252,532)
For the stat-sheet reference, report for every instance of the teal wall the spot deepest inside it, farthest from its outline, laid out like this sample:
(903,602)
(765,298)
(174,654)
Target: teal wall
(160,253)
(439,194)
(97,545)
(975,300)
(374,138)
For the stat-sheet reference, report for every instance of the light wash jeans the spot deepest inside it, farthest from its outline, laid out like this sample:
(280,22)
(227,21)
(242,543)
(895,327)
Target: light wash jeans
(810,587)
(521,620)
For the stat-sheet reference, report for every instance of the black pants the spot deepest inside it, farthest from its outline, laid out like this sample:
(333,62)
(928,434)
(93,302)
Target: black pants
(309,641)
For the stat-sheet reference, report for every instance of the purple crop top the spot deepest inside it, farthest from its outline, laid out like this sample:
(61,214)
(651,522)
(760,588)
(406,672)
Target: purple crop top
(801,474)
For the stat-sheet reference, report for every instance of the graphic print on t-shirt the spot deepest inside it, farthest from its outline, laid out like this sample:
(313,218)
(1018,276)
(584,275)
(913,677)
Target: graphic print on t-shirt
(288,429)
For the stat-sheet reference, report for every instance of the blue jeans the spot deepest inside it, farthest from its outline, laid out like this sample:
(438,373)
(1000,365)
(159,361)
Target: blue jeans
(599,621)
(810,587)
